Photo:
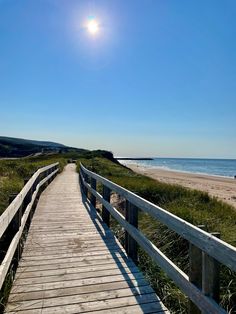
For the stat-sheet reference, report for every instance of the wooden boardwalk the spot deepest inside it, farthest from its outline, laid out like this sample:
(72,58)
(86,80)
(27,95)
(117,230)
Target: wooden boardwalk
(72,263)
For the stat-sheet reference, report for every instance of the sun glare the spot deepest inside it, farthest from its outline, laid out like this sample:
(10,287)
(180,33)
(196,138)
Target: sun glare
(93,27)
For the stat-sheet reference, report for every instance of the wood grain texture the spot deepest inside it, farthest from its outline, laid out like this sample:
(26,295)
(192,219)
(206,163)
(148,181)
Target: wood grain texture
(72,263)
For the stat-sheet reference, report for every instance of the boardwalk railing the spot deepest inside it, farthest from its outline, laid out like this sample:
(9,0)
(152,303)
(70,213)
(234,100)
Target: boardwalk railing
(14,218)
(206,250)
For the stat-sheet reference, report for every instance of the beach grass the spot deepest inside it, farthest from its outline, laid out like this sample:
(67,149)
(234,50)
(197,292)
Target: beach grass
(13,173)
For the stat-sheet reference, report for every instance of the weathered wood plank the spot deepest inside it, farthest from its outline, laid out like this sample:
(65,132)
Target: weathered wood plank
(74,283)
(76,275)
(48,258)
(80,298)
(107,286)
(82,263)
(74,270)
(105,256)
(119,302)
(59,250)
(77,252)
(151,307)
(75,267)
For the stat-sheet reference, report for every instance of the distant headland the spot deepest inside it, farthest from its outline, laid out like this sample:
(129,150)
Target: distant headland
(133,158)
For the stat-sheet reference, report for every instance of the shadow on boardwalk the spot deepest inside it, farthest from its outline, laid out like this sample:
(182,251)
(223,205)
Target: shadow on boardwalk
(127,267)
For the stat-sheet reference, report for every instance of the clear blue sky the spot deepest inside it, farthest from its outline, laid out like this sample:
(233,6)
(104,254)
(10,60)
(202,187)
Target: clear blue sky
(158,79)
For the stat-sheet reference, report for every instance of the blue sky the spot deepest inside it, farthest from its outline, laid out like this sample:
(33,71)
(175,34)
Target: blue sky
(158,79)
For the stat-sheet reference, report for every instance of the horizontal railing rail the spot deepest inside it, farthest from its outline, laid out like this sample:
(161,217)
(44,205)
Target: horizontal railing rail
(206,249)
(19,211)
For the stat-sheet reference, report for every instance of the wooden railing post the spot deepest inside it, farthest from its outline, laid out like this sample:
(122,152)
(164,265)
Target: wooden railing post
(195,271)
(93,186)
(85,188)
(16,223)
(131,246)
(106,193)
(28,197)
(211,275)
(30,194)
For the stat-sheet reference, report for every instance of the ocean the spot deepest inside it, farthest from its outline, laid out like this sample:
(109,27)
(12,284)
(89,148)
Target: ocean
(216,167)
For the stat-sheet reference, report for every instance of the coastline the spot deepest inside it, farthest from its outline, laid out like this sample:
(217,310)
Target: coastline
(221,187)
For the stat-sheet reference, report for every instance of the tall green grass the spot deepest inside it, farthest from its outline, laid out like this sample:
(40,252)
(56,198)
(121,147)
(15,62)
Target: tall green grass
(13,173)
(193,206)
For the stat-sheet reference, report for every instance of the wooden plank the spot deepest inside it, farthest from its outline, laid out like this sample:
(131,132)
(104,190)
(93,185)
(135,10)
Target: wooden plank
(59,250)
(72,259)
(107,286)
(150,307)
(64,235)
(82,253)
(75,275)
(101,304)
(48,258)
(85,261)
(74,270)
(74,283)
(79,298)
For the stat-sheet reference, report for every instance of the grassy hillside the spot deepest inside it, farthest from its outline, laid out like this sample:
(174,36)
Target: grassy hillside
(17,147)
(194,206)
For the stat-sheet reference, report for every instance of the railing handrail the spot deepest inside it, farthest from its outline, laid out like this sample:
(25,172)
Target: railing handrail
(217,248)
(11,210)
(212,246)
(14,211)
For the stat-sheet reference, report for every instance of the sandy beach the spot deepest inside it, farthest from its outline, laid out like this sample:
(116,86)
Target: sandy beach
(220,187)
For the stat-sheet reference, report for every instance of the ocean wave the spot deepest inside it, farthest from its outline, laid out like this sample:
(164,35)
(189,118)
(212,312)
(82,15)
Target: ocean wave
(215,168)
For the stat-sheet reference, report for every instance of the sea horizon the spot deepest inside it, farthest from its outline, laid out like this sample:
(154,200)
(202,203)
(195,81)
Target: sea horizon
(221,167)
(156,157)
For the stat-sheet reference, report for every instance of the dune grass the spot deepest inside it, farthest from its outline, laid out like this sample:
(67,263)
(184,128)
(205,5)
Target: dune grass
(13,173)
(193,206)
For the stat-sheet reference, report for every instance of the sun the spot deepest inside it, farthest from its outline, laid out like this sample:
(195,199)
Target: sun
(93,27)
